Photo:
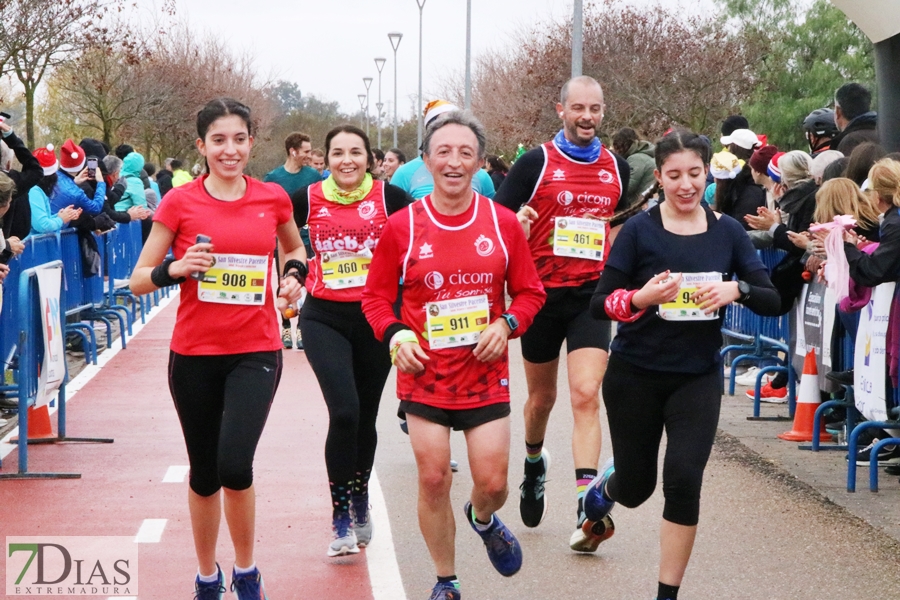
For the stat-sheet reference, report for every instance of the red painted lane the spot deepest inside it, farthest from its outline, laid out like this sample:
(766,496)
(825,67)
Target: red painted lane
(121,482)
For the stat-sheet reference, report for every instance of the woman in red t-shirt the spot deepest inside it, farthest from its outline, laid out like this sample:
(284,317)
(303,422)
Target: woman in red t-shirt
(225,360)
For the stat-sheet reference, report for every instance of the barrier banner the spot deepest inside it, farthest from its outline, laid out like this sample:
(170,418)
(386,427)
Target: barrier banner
(870,372)
(815,327)
(53,369)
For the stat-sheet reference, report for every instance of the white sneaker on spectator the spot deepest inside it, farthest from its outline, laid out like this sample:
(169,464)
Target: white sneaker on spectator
(749,377)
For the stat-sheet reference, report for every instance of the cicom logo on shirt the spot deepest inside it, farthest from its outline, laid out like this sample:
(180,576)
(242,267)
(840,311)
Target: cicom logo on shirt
(484,246)
(434,280)
(366,209)
(605,176)
(565,198)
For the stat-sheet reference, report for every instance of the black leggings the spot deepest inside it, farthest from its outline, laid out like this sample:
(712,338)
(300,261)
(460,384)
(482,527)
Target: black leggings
(223,403)
(352,367)
(639,404)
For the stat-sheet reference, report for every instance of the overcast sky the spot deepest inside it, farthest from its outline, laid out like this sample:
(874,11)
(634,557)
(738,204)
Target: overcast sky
(328,46)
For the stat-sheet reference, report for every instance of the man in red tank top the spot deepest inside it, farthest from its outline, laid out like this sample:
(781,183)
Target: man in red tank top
(566,192)
(458,253)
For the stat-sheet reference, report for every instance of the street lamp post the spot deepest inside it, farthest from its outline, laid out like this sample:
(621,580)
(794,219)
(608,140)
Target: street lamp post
(395,38)
(379,64)
(368,82)
(577,38)
(419,117)
(362,108)
(468,54)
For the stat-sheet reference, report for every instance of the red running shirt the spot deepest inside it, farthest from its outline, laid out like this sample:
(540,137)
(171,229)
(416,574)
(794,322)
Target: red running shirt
(244,226)
(336,230)
(440,257)
(568,188)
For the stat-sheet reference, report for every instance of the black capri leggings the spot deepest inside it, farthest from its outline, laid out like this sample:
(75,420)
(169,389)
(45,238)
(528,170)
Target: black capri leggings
(639,404)
(223,403)
(352,367)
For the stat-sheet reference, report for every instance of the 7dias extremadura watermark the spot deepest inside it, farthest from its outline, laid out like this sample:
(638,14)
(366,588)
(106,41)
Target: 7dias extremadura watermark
(71,566)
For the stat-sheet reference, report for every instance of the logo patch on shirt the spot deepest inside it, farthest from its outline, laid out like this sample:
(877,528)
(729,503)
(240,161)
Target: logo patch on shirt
(262,214)
(484,246)
(565,198)
(605,176)
(434,280)
(323,212)
(559,175)
(504,382)
(366,209)
(425,251)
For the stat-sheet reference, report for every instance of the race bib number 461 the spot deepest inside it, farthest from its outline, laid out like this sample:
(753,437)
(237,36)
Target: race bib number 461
(235,279)
(579,238)
(453,323)
(683,308)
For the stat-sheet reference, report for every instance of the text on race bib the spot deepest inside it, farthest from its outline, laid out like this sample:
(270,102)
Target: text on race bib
(683,308)
(343,269)
(453,323)
(579,238)
(235,279)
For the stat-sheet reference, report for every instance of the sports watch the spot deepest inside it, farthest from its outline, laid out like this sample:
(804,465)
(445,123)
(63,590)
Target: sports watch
(511,320)
(744,291)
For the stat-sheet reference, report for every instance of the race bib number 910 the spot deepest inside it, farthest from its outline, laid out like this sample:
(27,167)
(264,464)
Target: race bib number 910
(683,308)
(235,279)
(579,238)
(453,323)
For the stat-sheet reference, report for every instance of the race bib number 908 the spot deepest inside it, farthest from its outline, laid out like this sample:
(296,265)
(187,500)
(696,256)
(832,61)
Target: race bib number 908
(235,279)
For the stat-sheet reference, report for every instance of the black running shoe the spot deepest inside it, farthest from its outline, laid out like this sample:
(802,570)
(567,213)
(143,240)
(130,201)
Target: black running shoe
(533,498)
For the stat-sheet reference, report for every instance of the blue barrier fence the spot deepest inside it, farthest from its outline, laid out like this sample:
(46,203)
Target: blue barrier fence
(85,299)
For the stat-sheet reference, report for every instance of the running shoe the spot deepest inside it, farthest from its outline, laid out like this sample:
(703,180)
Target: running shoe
(362,521)
(344,541)
(888,455)
(748,377)
(533,499)
(210,591)
(444,591)
(596,505)
(588,535)
(299,343)
(454,466)
(769,394)
(248,586)
(841,377)
(502,546)
(286,338)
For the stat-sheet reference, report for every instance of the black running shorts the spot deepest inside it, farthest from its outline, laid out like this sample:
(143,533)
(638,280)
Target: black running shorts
(565,316)
(459,420)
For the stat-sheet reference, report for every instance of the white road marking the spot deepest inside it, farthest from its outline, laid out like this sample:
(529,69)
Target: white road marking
(381,558)
(151,531)
(176,474)
(90,371)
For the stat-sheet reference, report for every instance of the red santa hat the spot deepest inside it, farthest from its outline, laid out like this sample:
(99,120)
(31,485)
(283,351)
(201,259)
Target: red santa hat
(71,157)
(47,159)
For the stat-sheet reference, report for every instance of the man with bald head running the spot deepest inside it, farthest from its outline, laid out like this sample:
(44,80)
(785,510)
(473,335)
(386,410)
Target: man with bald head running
(565,193)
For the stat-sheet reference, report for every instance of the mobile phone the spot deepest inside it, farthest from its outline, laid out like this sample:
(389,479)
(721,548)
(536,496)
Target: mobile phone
(201,239)
(92,166)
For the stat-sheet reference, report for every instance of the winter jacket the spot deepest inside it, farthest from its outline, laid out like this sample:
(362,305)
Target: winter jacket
(67,193)
(43,219)
(134,195)
(181,177)
(742,197)
(640,159)
(883,265)
(164,179)
(798,205)
(17,220)
(861,129)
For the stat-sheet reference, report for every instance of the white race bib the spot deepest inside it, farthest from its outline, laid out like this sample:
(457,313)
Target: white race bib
(453,323)
(235,279)
(683,309)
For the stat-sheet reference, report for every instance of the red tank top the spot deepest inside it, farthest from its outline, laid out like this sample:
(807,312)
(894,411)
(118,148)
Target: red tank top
(344,237)
(568,188)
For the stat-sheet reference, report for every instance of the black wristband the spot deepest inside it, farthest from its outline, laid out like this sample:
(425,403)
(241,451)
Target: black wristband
(300,270)
(160,275)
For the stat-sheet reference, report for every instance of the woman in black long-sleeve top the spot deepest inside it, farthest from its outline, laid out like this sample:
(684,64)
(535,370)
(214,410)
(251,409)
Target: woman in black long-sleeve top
(883,265)
(667,281)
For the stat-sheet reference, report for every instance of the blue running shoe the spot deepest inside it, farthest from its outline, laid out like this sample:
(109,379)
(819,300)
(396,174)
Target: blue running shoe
(210,591)
(502,546)
(445,591)
(248,586)
(596,505)
(362,521)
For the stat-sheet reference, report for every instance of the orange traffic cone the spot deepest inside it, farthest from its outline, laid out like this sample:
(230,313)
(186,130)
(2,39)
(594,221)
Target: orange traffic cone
(807,401)
(39,427)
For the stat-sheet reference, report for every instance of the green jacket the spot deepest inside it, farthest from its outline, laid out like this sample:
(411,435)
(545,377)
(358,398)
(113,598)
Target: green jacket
(640,158)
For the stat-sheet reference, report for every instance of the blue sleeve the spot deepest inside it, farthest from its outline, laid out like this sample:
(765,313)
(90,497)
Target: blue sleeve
(485,183)
(42,220)
(401,178)
(95,206)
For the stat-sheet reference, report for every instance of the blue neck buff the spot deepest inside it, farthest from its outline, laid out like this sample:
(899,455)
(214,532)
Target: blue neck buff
(580,153)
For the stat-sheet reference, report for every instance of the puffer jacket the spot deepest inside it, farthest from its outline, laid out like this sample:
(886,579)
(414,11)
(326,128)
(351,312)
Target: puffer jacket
(132,165)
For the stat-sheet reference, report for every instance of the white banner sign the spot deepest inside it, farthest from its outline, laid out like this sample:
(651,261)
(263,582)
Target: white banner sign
(869,356)
(53,370)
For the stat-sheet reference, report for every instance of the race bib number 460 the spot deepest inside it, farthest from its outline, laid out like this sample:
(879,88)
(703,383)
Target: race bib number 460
(683,308)
(343,269)
(579,238)
(453,323)
(235,279)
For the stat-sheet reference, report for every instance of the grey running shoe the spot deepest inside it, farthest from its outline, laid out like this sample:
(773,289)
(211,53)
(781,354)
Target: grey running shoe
(344,541)
(362,521)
